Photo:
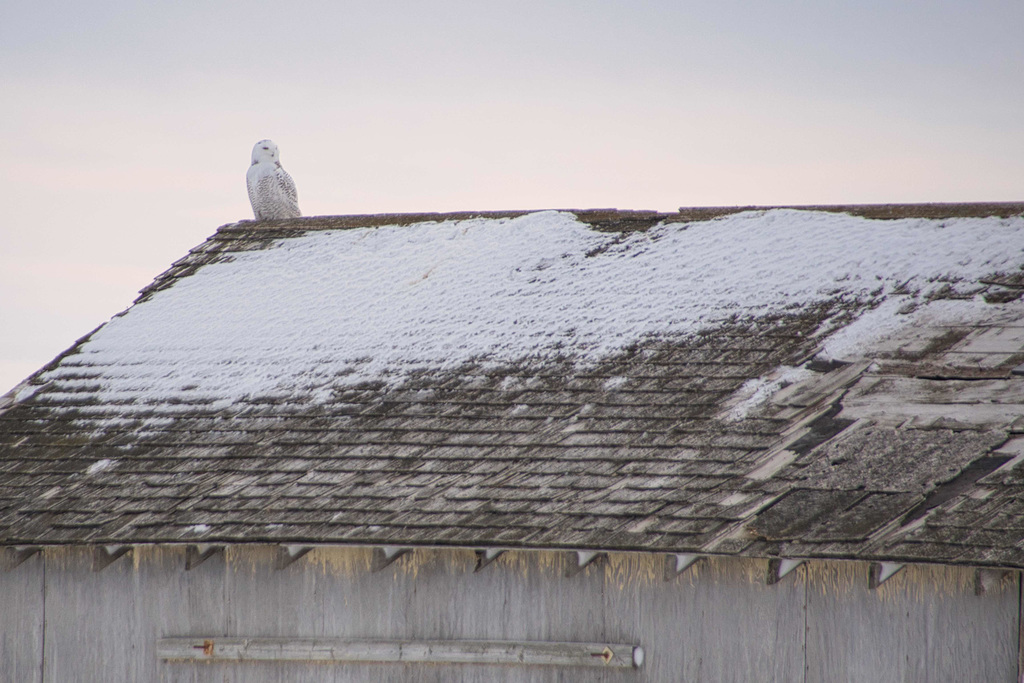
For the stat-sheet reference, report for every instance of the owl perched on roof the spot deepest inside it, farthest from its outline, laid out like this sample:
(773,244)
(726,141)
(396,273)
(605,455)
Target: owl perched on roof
(271,190)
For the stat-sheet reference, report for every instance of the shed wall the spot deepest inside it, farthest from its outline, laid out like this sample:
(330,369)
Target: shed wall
(718,621)
(21,622)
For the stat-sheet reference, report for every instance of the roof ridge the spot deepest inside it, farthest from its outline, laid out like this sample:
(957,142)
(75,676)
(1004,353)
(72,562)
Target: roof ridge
(598,216)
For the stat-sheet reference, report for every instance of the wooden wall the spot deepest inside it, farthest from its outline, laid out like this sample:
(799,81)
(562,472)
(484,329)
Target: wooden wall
(718,621)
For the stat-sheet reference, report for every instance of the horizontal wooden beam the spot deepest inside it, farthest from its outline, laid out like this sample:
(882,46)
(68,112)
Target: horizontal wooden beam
(16,555)
(195,555)
(986,580)
(609,655)
(677,563)
(104,556)
(384,556)
(485,556)
(778,568)
(287,555)
(880,572)
(581,559)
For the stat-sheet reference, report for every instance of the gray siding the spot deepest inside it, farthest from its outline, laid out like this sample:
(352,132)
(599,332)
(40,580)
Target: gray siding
(924,624)
(716,622)
(21,621)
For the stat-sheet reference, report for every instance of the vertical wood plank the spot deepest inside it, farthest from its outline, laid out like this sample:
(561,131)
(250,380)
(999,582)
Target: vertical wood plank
(1020,627)
(104,625)
(21,621)
(437,594)
(923,624)
(718,621)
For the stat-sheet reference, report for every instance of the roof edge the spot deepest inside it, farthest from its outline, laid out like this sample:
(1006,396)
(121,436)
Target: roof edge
(19,390)
(625,219)
(500,548)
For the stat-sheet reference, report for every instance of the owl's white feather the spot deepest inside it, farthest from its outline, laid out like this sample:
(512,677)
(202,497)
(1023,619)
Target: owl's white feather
(271,190)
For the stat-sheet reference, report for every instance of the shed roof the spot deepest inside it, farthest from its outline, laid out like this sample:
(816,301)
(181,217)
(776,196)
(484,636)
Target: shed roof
(759,382)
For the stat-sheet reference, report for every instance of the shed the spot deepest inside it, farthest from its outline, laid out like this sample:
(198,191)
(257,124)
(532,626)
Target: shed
(717,444)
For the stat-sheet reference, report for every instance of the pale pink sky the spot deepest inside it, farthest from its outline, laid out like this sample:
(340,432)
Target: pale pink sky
(129,126)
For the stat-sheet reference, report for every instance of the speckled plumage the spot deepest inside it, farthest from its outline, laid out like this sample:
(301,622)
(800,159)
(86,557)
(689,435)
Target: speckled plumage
(271,190)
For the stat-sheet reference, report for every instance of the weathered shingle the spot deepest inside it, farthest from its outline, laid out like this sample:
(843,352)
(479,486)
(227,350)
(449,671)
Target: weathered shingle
(659,445)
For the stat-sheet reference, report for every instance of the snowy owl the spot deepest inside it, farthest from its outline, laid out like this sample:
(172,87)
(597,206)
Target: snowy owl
(271,190)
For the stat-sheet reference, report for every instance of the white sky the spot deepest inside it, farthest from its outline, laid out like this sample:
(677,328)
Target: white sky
(128,126)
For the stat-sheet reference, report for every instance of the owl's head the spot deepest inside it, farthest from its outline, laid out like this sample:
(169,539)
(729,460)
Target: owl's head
(264,151)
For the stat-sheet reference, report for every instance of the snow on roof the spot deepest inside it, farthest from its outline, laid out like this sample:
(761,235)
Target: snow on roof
(337,307)
(582,380)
